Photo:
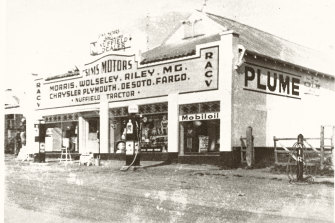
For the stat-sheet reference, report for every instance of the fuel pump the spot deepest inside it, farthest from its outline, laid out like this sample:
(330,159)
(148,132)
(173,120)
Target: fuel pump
(40,138)
(133,130)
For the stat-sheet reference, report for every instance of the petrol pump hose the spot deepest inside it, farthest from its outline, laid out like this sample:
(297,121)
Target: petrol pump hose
(136,152)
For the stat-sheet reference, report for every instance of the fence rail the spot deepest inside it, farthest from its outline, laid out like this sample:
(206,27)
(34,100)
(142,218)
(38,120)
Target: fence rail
(316,156)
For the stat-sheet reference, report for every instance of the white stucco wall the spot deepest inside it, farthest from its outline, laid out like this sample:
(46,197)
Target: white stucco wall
(280,116)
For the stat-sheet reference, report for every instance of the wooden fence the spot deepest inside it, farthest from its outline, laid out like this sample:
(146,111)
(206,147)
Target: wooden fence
(314,156)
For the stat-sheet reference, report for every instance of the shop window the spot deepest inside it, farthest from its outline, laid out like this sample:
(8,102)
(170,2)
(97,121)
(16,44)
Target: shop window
(158,108)
(10,123)
(153,136)
(61,131)
(118,112)
(199,127)
(213,106)
(58,135)
(93,125)
(93,132)
(201,136)
(153,124)
(153,108)
(10,116)
(61,118)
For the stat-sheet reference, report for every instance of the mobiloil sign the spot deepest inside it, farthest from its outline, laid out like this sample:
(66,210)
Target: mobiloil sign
(200,116)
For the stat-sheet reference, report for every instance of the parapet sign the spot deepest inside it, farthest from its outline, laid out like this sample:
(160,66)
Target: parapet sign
(119,78)
(109,42)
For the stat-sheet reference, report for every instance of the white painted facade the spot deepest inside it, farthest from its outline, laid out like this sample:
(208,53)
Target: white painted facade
(269,115)
(278,115)
(174,99)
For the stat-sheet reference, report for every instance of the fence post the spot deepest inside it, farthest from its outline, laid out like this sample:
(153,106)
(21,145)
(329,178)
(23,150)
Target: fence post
(241,141)
(322,144)
(275,149)
(333,138)
(250,153)
(332,146)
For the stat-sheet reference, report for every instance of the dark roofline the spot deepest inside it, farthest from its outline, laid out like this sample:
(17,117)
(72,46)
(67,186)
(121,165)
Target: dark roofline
(292,65)
(11,106)
(75,72)
(175,51)
(143,62)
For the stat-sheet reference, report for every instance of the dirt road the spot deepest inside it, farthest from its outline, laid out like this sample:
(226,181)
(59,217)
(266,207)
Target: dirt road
(56,192)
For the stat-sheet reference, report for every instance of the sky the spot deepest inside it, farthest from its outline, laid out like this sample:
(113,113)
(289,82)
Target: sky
(50,37)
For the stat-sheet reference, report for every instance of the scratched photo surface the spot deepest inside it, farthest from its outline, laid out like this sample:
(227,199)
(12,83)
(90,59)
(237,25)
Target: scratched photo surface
(168,111)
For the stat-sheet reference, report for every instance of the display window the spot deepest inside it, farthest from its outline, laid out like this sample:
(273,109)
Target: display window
(201,136)
(153,126)
(58,135)
(93,128)
(61,131)
(154,134)
(199,127)
(69,131)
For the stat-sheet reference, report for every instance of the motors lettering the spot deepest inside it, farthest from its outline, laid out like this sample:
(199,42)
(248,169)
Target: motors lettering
(108,66)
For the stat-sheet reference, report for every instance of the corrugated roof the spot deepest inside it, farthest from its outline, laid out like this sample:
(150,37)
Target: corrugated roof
(70,73)
(263,43)
(254,40)
(173,51)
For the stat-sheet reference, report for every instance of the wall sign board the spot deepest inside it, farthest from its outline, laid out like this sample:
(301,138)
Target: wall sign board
(268,81)
(110,41)
(200,116)
(120,79)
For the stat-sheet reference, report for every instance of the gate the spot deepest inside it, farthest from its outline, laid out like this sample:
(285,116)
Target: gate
(318,157)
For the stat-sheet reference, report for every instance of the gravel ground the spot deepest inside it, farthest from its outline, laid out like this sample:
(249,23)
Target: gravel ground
(56,192)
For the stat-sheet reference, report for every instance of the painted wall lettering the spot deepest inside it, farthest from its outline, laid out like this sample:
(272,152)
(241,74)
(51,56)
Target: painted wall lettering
(312,85)
(208,69)
(107,66)
(268,81)
(111,41)
(38,94)
(119,78)
(201,116)
(175,68)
